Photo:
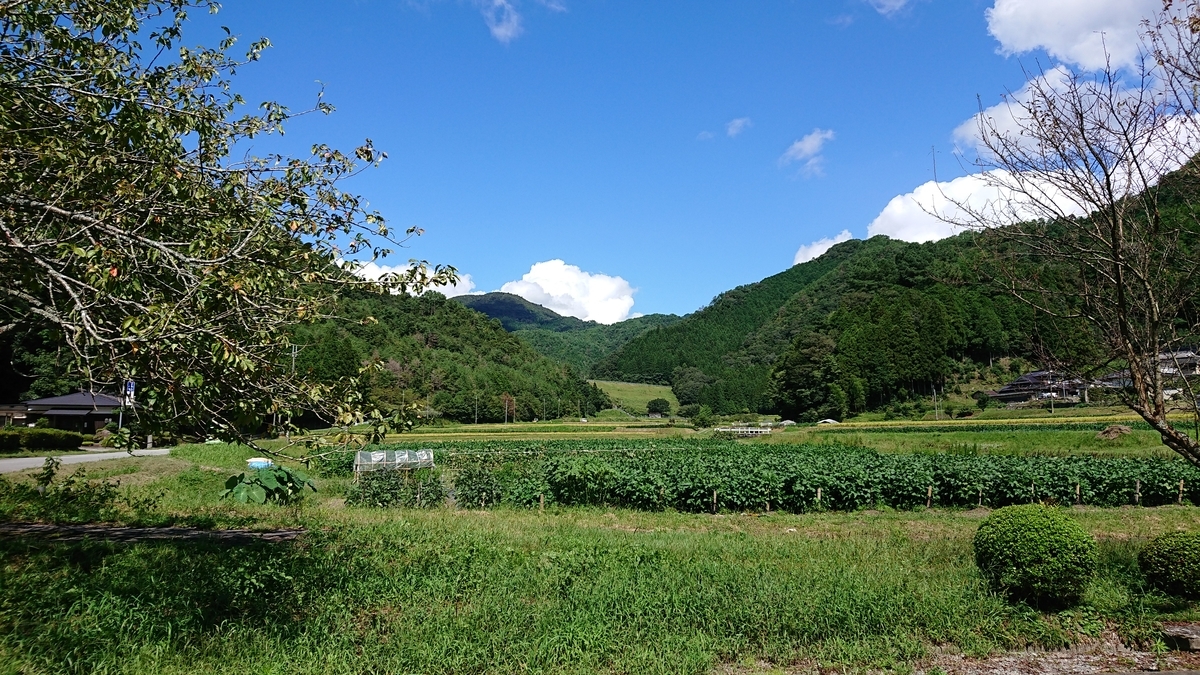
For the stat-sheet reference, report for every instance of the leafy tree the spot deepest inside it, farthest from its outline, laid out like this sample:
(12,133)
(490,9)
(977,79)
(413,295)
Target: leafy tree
(687,383)
(658,406)
(129,229)
(982,400)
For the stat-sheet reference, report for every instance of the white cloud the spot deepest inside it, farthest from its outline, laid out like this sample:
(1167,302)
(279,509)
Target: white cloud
(1075,31)
(922,215)
(502,19)
(570,291)
(808,151)
(704,136)
(735,127)
(888,7)
(371,270)
(820,246)
(1004,115)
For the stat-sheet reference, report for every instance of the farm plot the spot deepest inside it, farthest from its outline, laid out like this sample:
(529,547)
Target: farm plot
(700,476)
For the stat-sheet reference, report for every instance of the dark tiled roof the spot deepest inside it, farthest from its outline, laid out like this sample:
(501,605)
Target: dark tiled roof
(80,399)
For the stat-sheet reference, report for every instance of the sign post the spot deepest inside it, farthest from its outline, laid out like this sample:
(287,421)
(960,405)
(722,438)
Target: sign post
(129,389)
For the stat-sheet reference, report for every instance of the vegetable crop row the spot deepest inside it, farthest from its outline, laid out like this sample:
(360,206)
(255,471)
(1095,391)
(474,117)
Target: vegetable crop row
(706,476)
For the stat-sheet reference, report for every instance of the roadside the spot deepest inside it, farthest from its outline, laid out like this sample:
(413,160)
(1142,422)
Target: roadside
(14,464)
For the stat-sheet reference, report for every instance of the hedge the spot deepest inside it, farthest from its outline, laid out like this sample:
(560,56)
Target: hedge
(39,439)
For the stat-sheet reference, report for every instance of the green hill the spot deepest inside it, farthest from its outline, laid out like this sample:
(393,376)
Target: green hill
(868,323)
(516,313)
(579,343)
(437,351)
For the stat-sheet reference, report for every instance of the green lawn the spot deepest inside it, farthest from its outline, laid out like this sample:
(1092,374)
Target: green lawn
(633,397)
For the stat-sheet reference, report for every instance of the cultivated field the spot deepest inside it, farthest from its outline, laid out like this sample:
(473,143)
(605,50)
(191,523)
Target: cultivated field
(588,588)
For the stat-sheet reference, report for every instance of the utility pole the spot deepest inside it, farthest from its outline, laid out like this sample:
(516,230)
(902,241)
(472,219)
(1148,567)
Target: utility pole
(476,406)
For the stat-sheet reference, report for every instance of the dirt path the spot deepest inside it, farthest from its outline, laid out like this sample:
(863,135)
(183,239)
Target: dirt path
(136,534)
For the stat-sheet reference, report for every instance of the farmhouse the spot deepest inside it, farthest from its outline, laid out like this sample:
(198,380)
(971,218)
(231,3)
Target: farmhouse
(82,411)
(1040,384)
(13,414)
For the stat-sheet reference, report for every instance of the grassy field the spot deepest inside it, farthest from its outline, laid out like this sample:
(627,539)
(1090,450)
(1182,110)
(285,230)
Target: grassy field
(1022,441)
(574,590)
(634,397)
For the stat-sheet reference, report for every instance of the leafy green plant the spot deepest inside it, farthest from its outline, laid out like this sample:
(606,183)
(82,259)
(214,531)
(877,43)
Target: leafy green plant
(1036,553)
(1171,562)
(277,484)
(476,487)
(408,489)
(74,499)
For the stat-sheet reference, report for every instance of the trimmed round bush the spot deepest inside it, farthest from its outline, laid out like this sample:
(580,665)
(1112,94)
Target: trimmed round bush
(1171,562)
(1035,553)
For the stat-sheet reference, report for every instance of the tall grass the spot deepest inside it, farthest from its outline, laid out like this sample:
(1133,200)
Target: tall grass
(565,592)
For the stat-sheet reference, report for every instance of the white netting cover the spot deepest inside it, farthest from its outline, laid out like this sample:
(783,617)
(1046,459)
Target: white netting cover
(377,460)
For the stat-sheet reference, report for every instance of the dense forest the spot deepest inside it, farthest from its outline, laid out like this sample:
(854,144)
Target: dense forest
(868,323)
(582,344)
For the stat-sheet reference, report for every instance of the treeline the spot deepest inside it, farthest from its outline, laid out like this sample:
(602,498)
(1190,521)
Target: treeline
(462,365)
(869,323)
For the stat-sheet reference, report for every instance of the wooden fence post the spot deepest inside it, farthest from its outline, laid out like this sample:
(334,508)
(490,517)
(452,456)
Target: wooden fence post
(818,496)
(1077,499)
(541,502)
(1180,492)
(929,496)
(1137,492)
(980,504)
(714,501)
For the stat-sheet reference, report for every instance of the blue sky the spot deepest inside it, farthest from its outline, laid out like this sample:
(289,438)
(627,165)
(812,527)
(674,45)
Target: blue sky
(684,147)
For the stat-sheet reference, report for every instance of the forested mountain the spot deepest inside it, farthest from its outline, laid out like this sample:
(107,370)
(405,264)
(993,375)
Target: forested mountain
(516,313)
(582,344)
(867,323)
(438,351)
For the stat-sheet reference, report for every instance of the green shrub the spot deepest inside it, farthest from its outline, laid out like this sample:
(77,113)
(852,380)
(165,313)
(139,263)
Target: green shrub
(335,464)
(50,439)
(408,489)
(1171,562)
(476,488)
(1036,553)
(276,484)
(10,441)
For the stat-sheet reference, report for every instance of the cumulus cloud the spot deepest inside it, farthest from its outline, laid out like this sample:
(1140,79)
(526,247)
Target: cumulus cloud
(808,151)
(820,246)
(922,215)
(888,7)
(735,127)
(570,291)
(371,270)
(1078,32)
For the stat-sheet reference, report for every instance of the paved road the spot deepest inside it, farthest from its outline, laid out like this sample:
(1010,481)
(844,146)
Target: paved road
(13,464)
